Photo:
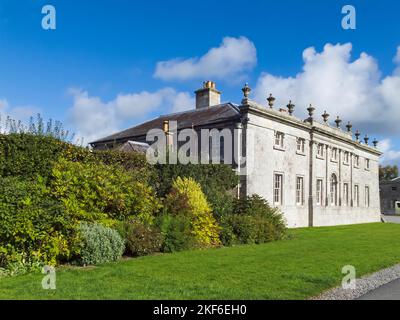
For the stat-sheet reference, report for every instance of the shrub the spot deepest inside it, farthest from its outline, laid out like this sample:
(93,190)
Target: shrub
(186,198)
(216,180)
(33,227)
(27,155)
(140,238)
(97,192)
(99,244)
(252,221)
(20,267)
(176,233)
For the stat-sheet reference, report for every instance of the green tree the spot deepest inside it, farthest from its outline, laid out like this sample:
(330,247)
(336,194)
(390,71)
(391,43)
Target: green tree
(388,172)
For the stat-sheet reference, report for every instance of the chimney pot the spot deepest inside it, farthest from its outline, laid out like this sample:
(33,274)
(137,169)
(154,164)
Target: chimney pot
(166,126)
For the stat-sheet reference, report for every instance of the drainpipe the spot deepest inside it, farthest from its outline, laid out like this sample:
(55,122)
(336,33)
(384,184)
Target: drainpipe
(310,183)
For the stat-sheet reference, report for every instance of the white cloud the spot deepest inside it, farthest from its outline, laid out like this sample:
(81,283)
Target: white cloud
(389,156)
(93,118)
(231,59)
(354,90)
(183,101)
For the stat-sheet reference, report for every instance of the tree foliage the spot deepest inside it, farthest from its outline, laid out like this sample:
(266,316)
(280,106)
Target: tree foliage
(387,173)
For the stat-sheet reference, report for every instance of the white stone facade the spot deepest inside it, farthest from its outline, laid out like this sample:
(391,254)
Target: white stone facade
(302,172)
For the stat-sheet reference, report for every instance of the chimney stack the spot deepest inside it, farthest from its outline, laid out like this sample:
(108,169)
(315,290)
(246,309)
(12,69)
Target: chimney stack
(207,96)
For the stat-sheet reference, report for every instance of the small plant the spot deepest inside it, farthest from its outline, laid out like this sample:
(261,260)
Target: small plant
(99,244)
(140,238)
(20,267)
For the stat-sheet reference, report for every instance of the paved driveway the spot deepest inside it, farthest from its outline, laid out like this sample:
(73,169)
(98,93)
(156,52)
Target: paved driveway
(392,219)
(389,291)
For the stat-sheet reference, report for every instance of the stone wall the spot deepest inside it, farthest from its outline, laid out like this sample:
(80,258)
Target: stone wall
(390,193)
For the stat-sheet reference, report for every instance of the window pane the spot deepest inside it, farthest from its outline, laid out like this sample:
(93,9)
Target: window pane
(319,192)
(300,191)
(277,188)
(334,190)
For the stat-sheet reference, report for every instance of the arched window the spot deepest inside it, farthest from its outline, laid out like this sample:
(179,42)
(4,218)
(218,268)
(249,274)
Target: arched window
(334,190)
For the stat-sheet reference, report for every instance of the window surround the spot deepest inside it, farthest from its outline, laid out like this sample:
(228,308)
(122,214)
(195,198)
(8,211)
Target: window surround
(333,190)
(301,146)
(346,158)
(320,151)
(334,154)
(356,161)
(300,190)
(278,188)
(356,199)
(319,192)
(367,164)
(367,197)
(346,194)
(279,138)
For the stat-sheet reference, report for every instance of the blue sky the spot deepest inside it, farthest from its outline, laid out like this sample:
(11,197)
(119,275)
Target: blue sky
(105,56)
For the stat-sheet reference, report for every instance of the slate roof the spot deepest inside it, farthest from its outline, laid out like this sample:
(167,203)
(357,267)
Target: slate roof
(186,119)
(134,146)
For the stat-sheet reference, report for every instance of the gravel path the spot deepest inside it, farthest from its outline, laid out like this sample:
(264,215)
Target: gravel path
(363,285)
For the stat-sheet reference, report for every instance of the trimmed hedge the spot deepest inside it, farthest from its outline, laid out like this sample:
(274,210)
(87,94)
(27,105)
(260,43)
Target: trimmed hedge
(28,156)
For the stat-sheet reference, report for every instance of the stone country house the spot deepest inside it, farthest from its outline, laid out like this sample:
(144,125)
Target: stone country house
(316,173)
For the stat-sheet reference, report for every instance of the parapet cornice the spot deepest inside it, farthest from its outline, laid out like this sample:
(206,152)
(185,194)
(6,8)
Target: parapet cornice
(311,125)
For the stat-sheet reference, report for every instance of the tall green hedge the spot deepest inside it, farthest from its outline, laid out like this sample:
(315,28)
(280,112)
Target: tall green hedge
(27,155)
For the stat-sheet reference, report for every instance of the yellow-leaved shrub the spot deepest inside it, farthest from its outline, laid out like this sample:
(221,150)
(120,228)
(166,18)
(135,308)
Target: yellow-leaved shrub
(186,198)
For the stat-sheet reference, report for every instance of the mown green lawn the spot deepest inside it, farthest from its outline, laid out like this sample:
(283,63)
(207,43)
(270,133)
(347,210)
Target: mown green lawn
(302,266)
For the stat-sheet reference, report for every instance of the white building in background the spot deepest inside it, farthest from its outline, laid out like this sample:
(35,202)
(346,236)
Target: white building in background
(315,173)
